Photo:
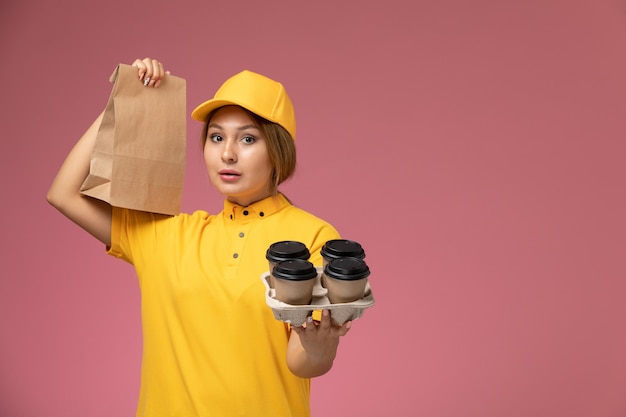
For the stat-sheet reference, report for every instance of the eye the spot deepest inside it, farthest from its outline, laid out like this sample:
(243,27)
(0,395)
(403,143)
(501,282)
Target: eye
(248,139)
(215,137)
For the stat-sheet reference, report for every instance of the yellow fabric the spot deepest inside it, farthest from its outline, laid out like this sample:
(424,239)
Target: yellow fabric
(212,346)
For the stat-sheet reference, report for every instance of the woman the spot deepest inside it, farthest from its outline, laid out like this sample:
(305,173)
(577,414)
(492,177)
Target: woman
(212,347)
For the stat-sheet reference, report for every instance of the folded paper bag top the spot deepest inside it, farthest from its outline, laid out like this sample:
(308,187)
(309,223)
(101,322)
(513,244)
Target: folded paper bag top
(138,161)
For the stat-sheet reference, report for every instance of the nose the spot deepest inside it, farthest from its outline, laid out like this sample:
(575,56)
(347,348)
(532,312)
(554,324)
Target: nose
(228,152)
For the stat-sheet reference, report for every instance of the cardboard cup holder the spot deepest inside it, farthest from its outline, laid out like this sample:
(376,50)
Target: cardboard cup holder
(297,314)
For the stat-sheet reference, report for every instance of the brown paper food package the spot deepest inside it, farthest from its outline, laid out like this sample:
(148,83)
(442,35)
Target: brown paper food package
(138,161)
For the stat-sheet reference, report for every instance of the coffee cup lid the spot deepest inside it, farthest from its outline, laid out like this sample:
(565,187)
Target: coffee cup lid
(294,270)
(340,248)
(348,269)
(287,249)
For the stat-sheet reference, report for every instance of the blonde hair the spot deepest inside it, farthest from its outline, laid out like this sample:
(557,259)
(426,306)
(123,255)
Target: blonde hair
(280,147)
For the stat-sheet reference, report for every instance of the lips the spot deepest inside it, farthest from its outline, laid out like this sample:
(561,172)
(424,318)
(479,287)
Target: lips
(229,175)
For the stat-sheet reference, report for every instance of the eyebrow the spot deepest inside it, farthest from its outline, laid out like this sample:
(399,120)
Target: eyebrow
(244,127)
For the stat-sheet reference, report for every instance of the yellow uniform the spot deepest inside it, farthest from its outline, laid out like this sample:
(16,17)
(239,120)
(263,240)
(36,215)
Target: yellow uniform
(212,346)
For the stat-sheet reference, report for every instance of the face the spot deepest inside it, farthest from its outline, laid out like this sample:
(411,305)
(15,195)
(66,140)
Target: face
(236,156)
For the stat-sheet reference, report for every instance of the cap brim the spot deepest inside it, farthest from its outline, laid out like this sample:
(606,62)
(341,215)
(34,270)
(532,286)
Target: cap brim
(201,112)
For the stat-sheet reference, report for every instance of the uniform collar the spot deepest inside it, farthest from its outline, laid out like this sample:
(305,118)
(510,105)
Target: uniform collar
(259,209)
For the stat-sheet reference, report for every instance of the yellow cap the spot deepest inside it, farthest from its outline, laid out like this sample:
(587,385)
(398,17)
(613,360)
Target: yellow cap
(256,93)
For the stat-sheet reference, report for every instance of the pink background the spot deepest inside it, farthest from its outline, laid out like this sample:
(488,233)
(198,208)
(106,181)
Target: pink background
(476,149)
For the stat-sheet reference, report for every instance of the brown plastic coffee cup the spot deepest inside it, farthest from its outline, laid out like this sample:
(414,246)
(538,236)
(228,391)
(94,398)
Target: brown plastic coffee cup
(284,251)
(346,279)
(341,248)
(294,281)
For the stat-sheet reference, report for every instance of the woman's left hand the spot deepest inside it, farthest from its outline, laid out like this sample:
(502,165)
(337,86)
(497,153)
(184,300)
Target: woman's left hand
(319,337)
(319,342)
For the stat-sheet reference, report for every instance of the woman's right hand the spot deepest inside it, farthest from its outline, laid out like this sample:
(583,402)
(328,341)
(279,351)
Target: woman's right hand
(150,71)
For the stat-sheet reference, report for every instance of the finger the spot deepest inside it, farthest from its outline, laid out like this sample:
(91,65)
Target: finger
(158,73)
(310,325)
(157,67)
(141,68)
(161,76)
(147,78)
(343,330)
(326,322)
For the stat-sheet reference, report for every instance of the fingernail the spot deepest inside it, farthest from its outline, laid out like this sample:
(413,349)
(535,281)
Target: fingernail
(309,319)
(325,312)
